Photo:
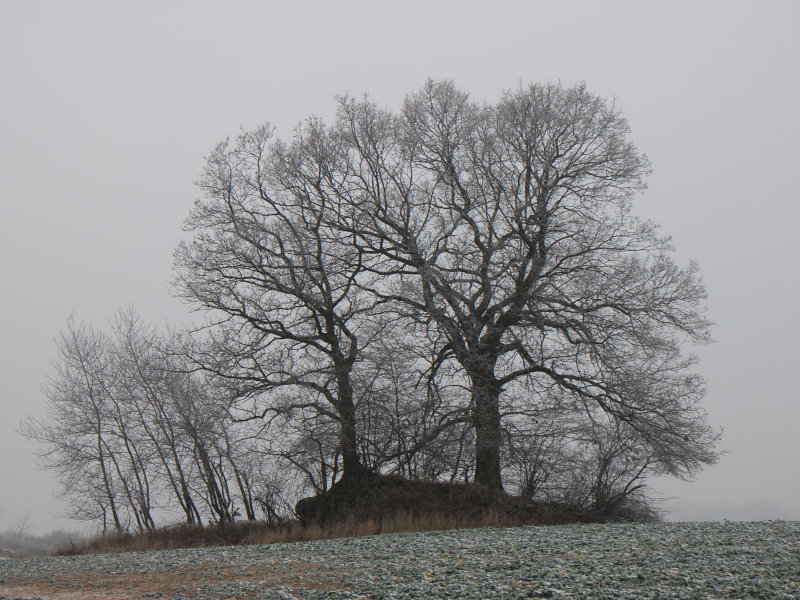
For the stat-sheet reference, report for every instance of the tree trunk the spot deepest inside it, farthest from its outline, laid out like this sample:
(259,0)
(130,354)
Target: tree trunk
(351,463)
(486,420)
(352,469)
(246,490)
(107,485)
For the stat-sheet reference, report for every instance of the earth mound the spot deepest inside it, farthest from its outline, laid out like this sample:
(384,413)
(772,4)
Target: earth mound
(375,497)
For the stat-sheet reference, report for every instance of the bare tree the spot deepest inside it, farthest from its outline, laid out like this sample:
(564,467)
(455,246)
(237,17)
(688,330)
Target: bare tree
(504,231)
(459,291)
(508,228)
(537,443)
(408,420)
(151,383)
(129,430)
(287,290)
(77,437)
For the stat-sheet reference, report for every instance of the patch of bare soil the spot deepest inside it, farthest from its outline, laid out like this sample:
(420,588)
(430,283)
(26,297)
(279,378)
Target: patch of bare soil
(103,586)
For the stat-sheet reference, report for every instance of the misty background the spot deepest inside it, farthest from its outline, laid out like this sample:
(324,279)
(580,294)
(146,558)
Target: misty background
(107,110)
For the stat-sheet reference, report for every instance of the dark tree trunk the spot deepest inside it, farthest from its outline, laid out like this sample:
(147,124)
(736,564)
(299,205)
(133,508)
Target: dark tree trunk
(486,420)
(351,462)
(217,500)
(247,494)
(107,486)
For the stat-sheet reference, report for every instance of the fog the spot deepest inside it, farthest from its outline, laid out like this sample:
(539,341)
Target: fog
(107,110)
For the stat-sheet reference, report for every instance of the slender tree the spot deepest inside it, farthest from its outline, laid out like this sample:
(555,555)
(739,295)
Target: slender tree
(78,437)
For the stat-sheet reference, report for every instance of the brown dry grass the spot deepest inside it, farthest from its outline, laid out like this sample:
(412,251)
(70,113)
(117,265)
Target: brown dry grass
(402,521)
(374,505)
(260,533)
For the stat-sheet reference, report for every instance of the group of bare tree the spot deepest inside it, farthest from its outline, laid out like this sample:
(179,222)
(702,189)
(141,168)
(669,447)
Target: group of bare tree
(458,291)
(133,435)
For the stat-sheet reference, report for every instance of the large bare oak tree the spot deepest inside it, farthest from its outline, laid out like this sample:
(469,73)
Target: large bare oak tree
(508,229)
(501,234)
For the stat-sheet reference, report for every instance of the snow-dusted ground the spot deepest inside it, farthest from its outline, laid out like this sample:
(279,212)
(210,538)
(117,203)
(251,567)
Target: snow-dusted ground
(669,560)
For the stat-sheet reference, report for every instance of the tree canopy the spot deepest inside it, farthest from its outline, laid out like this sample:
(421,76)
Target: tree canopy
(499,236)
(457,291)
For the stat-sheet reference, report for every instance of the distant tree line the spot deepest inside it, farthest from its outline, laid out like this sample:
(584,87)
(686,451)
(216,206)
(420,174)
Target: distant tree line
(456,292)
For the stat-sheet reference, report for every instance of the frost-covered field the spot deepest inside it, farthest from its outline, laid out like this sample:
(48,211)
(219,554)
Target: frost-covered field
(672,560)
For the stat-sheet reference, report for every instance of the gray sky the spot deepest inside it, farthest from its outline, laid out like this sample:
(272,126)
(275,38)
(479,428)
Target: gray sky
(107,109)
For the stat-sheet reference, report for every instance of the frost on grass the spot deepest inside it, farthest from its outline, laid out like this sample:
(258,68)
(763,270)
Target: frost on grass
(687,561)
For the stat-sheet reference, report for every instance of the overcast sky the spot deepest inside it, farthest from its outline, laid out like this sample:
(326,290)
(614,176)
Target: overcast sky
(107,109)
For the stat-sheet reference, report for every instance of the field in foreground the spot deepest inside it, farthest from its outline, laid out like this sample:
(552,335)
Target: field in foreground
(665,560)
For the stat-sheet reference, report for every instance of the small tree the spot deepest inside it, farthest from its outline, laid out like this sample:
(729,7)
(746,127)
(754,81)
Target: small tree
(79,441)
(129,429)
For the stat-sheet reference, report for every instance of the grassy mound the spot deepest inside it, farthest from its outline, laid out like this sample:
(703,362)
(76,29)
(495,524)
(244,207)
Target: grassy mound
(376,497)
(368,505)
